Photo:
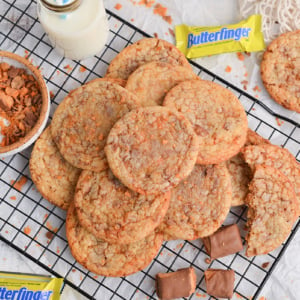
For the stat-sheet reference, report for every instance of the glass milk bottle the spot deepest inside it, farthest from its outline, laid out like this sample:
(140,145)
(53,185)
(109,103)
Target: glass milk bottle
(76,28)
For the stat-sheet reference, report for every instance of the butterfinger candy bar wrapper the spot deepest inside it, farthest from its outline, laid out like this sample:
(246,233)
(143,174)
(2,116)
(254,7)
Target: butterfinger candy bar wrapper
(17,286)
(246,36)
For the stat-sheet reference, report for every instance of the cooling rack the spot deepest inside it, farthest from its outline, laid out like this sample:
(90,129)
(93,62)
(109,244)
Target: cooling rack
(35,228)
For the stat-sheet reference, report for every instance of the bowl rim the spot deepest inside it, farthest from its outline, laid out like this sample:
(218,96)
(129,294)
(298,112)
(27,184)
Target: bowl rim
(30,137)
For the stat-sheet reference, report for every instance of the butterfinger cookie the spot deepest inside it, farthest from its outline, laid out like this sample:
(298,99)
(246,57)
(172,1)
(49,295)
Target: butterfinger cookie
(107,259)
(280,70)
(278,158)
(199,204)
(53,176)
(240,172)
(151,82)
(84,118)
(142,52)
(216,114)
(254,138)
(118,81)
(152,149)
(114,213)
(272,210)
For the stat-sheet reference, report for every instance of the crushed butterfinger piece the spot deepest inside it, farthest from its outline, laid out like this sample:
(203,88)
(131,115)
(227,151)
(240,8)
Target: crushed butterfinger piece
(20,103)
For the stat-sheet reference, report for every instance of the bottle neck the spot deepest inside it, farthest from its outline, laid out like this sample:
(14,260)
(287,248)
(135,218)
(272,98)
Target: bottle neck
(61,6)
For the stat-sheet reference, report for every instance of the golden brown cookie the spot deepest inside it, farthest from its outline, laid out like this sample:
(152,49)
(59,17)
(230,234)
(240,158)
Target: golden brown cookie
(107,259)
(278,158)
(84,118)
(142,52)
(216,114)
(118,81)
(53,176)
(272,210)
(280,70)
(199,204)
(152,149)
(240,172)
(151,82)
(253,138)
(114,213)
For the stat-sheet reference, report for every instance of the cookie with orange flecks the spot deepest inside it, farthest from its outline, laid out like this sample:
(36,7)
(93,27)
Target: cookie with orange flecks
(272,210)
(240,172)
(253,138)
(199,204)
(151,149)
(278,158)
(84,118)
(102,258)
(280,70)
(114,213)
(118,81)
(53,176)
(142,52)
(151,82)
(216,114)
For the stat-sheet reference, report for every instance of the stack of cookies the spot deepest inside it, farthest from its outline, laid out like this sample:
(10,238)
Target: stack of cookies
(151,152)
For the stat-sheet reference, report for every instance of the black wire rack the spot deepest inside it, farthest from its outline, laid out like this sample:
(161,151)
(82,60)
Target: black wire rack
(45,243)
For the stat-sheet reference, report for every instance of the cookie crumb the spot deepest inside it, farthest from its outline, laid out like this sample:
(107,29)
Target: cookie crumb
(49,235)
(207,260)
(265,265)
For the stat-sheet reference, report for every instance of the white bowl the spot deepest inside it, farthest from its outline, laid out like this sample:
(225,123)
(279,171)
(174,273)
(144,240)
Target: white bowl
(24,142)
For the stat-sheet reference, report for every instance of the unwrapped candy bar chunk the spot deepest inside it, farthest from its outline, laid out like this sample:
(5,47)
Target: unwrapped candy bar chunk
(181,283)
(224,241)
(219,283)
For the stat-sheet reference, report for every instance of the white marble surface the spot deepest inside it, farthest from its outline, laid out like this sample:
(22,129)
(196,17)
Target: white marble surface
(284,282)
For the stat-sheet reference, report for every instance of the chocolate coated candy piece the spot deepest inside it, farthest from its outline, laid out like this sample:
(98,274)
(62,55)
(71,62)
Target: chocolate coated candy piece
(219,283)
(181,283)
(224,241)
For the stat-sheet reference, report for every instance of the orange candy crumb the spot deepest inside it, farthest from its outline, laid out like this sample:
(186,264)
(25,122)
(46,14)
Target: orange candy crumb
(256,89)
(279,122)
(50,227)
(240,56)
(68,68)
(27,230)
(171,31)
(160,10)
(19,183)
(228,69)
(82,69)
(26,54)
(168,19)
(118,6)
(200,295)
(147,3)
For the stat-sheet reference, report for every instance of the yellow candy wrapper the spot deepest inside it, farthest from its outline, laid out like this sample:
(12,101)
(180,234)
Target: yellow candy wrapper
(246,36)
(16,286)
